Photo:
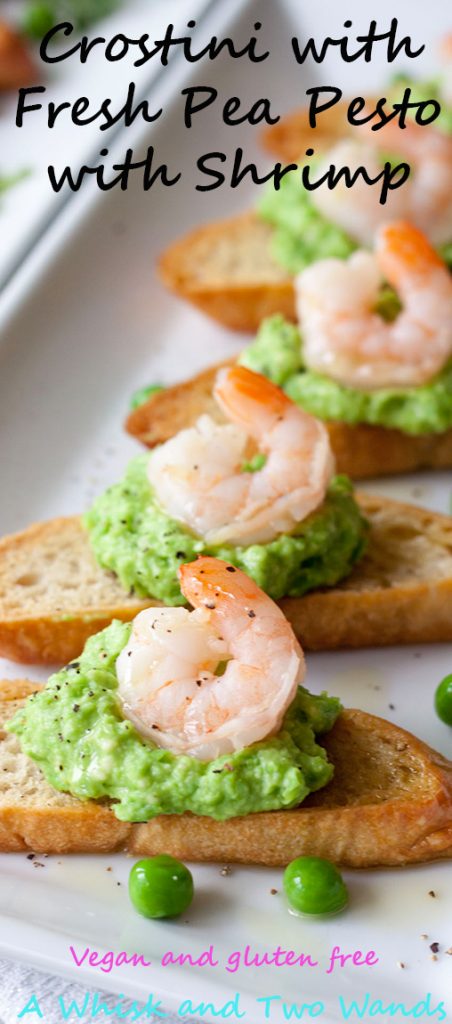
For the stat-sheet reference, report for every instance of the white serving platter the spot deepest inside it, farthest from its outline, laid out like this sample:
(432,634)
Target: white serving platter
(85,322)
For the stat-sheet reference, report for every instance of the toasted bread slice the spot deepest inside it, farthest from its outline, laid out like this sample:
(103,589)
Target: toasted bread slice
(390,803)
(361,451)
(33,815)
(53,595)
(227,270)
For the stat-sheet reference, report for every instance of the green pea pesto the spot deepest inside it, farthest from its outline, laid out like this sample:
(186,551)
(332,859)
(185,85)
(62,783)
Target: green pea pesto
(132,536)
(75,731)
(277,353)
(302,234)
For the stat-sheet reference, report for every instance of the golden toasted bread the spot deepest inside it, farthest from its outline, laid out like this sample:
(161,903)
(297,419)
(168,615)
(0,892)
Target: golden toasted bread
(227,270)
(361,451)
(53,595)
(390,803)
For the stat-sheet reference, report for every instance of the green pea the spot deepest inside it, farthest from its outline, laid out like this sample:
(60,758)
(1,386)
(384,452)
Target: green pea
(160,886)
(314,886)
(443,700)
(141,396)
(255,464)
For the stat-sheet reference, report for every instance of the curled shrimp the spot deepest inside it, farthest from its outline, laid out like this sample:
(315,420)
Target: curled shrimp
(167,675)
(425,198)
(198,475)
(344,339)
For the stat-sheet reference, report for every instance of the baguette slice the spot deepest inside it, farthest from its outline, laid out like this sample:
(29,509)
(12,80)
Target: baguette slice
(33,815)
(53,595)
(361,451)
(227,270)
(390,803)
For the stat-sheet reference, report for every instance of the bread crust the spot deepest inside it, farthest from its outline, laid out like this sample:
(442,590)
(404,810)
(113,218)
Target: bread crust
(361,451)
(390,803)
(399,593)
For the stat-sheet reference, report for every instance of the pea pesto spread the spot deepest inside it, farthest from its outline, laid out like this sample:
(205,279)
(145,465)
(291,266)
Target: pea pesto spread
(277,353)
(302,235)
(132,536)
(75,731)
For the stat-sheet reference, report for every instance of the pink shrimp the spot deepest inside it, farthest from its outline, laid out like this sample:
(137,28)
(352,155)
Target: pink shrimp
(344,339)
(168,682)
(198,475)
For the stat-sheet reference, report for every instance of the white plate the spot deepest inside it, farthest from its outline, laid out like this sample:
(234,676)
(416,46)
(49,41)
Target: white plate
(84,323)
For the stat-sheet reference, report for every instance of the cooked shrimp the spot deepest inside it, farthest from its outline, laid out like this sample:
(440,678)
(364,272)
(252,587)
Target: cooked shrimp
(168,686)
(344,339)
(198,475)
(425,199)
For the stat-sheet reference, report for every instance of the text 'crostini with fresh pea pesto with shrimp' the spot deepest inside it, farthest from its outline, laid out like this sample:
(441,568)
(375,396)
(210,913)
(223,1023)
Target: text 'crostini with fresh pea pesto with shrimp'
(188,733)
(252,481)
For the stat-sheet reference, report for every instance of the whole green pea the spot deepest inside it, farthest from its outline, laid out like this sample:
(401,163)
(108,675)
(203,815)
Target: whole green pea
(160,886)
(314,886)
(443,700)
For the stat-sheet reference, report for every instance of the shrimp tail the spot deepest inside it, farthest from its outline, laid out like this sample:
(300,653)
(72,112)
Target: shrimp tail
(209,582)
(401,247)
(242,394)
